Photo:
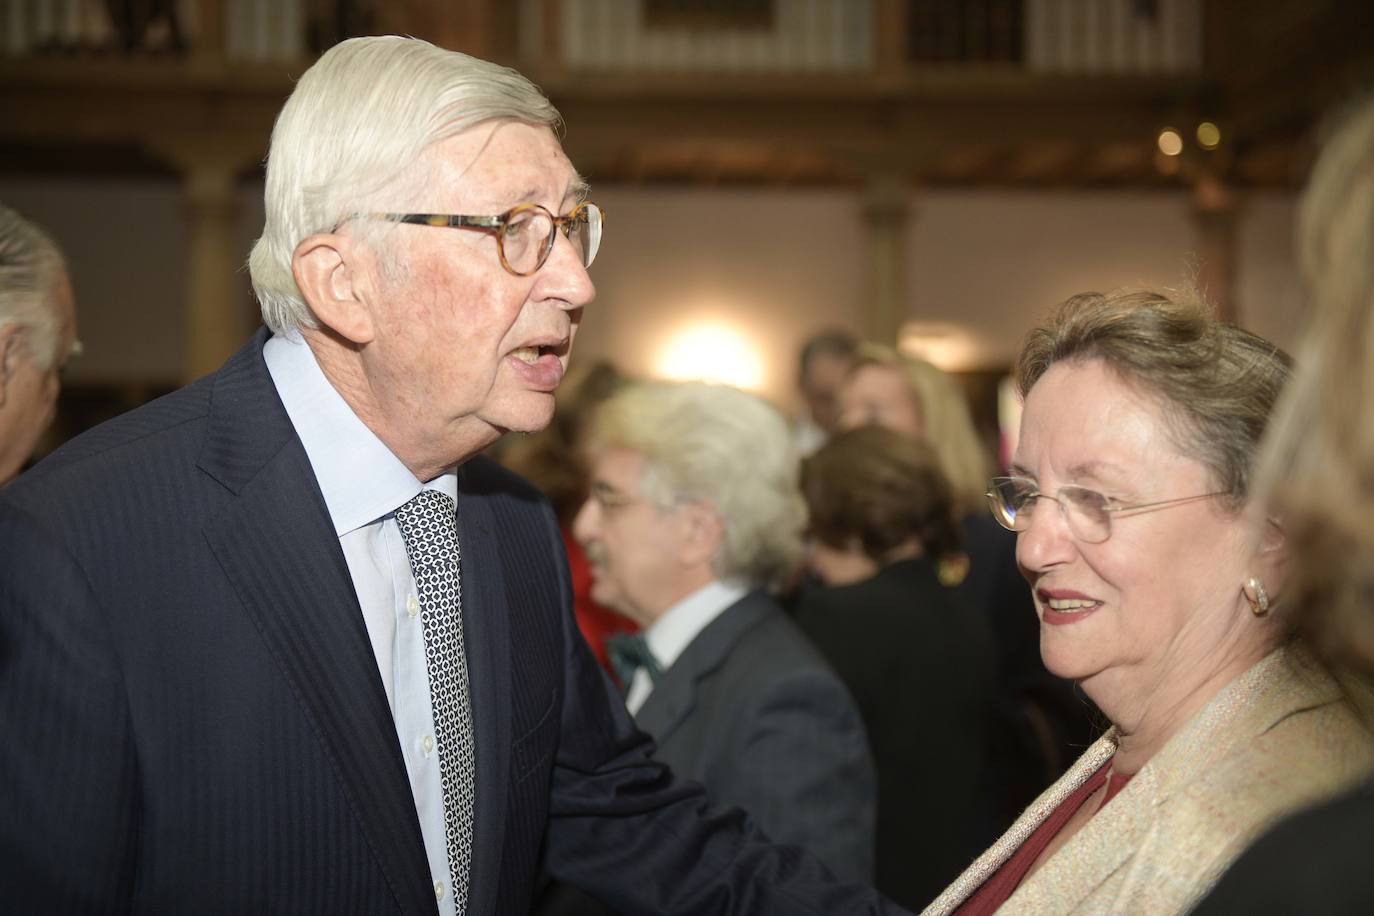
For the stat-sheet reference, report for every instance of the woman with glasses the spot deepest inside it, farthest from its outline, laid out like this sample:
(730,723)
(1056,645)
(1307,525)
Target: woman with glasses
(1155,586)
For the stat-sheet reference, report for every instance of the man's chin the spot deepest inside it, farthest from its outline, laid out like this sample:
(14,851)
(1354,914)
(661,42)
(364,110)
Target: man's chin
(532,414)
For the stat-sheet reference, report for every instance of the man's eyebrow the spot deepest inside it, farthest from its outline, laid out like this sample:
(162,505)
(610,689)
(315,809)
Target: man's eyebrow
(579,188)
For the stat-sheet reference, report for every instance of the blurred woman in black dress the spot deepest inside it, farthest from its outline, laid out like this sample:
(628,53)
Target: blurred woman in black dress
(919,661)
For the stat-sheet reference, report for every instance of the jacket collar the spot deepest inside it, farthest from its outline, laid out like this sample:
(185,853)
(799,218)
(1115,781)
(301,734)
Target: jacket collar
(276,545)
(674,693)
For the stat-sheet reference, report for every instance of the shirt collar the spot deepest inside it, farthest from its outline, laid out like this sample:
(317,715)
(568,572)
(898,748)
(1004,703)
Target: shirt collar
(361,479)
(672,633)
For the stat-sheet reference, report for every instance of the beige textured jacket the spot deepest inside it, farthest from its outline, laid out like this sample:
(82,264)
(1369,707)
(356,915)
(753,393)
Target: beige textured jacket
(1277,738)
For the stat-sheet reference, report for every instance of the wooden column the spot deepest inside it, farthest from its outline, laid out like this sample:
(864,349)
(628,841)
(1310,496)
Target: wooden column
(214,288)
(217,304)
(1215,211)
(886,210)
(210,41)
(468,26)
(890,39)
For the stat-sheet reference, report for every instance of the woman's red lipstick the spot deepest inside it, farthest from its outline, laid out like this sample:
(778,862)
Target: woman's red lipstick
(1057,617)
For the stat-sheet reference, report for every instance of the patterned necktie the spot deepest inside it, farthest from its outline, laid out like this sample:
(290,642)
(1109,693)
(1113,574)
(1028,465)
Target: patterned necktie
(429,527)
(628,652)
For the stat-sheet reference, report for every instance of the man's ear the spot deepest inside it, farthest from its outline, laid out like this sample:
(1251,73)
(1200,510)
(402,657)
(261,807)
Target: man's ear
(333,274)
(705,531)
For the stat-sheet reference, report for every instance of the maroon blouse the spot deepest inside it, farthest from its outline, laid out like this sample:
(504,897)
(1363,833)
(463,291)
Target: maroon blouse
(1004,882)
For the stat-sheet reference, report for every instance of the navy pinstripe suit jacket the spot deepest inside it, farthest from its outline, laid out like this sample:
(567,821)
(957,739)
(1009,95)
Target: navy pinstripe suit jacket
(191,718)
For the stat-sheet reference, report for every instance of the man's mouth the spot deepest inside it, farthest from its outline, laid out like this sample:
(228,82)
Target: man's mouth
(540,364)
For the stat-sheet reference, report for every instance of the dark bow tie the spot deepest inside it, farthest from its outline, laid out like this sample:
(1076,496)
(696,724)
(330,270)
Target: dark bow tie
(628,652)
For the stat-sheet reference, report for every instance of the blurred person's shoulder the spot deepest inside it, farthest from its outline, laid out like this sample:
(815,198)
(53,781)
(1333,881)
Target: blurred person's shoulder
(117,452)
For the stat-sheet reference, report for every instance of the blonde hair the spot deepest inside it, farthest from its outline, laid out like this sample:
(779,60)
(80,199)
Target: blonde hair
(945,420)
(349,135)
(1216,383)
(724,446)
(1317,470)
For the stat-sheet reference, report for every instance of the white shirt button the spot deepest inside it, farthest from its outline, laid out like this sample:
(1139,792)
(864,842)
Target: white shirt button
(427,742)
(438,890)
(412,605)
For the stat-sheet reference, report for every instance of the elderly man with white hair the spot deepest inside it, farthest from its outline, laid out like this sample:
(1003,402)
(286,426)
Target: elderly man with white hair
(37,335)
(283,641)
(694,513)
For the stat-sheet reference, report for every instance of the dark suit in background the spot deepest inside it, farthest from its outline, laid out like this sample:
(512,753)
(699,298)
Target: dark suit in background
(194,721)
(752,711)
(920,665)
(1314,862)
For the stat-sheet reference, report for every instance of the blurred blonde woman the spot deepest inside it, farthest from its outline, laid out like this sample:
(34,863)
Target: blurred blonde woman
(1045,725)
(1317,474)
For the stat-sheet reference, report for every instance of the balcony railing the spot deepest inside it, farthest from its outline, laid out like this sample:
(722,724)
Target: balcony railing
(242,30)
(777,36)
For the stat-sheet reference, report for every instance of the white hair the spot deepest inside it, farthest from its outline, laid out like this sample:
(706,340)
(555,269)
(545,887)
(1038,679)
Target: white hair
(721,445)
(355,125)
(30,265)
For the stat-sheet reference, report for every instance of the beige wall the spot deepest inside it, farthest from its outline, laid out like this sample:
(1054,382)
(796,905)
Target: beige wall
(777,265)
(126,251)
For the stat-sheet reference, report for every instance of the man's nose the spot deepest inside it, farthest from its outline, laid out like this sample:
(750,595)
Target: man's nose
(564,277)
(584,523)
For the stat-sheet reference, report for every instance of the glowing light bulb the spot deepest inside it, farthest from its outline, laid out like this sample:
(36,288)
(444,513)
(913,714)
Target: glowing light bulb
(1208,135)
(712,353)
(1170,142)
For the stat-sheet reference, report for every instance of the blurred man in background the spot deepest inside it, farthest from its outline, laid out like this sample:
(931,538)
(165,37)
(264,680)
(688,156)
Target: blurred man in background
(37,335)
(824,362)
(694,513)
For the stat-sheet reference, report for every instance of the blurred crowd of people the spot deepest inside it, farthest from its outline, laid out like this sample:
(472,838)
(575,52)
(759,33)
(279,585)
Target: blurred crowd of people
(1012,692)
(1089,681)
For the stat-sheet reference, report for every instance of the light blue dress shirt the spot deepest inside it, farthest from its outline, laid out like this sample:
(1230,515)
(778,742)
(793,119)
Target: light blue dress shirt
(363,485)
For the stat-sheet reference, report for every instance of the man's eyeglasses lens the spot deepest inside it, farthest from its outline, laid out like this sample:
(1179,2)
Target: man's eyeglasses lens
(528,235)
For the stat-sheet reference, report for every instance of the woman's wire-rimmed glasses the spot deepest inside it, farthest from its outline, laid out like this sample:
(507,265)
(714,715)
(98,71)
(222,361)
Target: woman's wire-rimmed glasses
(1088,513)
(525,234)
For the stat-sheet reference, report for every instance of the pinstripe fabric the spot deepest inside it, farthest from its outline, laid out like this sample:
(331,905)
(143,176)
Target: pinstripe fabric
(192,718)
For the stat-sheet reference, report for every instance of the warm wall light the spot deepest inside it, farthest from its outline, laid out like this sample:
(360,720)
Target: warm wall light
(952,347)
(1170,142)
(1208,135)
(712,352)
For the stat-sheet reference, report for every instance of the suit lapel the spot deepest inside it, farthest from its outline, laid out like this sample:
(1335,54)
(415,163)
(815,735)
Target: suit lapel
(674,693)
(486,635)
(276,546)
